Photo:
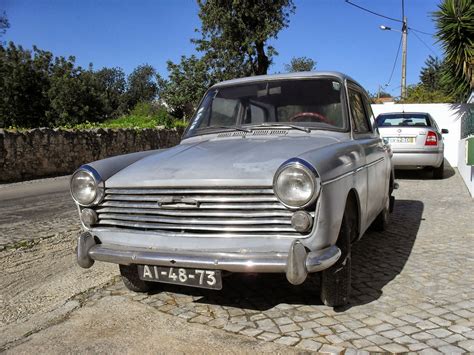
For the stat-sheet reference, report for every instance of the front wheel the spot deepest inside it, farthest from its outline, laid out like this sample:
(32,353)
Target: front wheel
(336,280)
(131,280)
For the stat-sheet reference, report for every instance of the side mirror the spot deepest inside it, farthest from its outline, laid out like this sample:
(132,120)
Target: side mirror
(444,131)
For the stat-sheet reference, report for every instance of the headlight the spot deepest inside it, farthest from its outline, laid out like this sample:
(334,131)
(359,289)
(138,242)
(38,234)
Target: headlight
(85,189)
(296,185)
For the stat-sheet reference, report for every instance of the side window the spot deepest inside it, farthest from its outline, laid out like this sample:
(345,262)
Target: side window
(359,116)
(257,114)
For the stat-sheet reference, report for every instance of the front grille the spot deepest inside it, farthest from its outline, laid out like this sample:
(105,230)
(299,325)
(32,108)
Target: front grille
(197,211)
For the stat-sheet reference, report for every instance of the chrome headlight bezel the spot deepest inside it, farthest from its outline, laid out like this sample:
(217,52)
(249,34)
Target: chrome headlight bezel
(98,185)
(308,170)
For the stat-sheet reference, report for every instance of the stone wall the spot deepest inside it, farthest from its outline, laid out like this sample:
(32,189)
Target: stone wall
(45,152)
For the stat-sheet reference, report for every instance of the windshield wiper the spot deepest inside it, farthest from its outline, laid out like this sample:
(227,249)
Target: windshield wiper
(300,128)
(235,128)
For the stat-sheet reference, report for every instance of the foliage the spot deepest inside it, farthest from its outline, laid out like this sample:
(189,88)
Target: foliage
(419,94)
(234,34)
(298,64)
(430,74)
(38,89)
(141,85)
(24,86)
(455,32)
(186,84)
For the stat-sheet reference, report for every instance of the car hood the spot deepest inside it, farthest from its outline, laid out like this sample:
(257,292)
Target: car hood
(217,162)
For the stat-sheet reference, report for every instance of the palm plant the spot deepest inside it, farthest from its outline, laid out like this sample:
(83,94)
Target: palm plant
(455,32)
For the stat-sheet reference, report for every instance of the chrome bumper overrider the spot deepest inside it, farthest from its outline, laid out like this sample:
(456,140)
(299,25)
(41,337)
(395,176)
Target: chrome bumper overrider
(297,263)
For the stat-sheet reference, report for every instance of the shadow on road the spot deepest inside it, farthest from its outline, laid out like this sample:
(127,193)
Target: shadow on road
(424,174)
(377,259)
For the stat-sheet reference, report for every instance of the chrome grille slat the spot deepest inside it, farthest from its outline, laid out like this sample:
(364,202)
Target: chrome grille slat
(198,198)
(187,227)
(197,211)
(246,206)
(229,191)
(204,221)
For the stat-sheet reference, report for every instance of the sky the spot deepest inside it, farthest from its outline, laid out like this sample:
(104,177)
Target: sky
(338,36)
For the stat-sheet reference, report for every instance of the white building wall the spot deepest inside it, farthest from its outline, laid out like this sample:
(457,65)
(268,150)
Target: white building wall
(446,116)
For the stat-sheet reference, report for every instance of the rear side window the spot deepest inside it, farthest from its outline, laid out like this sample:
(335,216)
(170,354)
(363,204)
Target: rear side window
(404,120)
(358,112)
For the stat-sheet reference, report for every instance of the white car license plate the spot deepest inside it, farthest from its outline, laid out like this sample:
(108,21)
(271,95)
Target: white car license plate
(181,276)
(401,140)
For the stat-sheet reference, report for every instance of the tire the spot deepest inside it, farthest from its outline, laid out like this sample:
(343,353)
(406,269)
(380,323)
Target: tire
(381,222)
(132,281)
(438,173)
(336,280)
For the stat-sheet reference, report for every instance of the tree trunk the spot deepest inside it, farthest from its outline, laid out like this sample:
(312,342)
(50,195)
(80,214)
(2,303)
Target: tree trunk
(262,60)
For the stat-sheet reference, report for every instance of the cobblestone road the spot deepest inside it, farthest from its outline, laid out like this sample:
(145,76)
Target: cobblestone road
(412,286)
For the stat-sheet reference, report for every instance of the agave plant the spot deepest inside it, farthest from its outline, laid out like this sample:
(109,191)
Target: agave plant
(455,32)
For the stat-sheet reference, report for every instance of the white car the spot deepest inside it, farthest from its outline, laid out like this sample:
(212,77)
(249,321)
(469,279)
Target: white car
(415,139)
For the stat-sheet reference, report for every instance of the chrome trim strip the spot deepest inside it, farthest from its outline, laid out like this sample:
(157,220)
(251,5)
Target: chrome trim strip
(180,222)
(204,227)
(200,199)
(352,172)
(206,206)
(196,212)
(178,191)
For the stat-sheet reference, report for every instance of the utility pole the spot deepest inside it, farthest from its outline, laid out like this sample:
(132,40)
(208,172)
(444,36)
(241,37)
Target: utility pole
(404,58)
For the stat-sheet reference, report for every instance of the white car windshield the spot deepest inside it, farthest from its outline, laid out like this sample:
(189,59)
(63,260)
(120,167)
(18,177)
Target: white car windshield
(297,103)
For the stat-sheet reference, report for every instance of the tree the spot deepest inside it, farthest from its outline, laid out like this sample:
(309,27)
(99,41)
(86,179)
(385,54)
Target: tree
(234,34)
(455,32)
(112,85)
(430,74)
(24,85)
(185,86)
(419,94)
(141,85)
(298,64)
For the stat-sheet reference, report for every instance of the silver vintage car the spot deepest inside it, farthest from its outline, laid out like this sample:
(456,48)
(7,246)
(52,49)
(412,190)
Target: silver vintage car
(415,140)
(274,174)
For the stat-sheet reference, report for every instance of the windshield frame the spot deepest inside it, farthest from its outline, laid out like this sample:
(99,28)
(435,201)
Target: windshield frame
(315,126)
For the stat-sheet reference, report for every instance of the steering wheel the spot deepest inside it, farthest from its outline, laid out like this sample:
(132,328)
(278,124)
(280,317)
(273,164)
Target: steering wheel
(302,116)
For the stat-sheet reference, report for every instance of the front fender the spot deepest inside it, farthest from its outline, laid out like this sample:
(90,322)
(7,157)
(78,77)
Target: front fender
(110,166)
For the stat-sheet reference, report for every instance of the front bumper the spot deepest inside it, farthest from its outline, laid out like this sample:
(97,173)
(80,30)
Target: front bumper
(296,263)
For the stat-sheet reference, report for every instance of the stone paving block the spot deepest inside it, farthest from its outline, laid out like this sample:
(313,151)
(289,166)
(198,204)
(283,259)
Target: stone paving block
(436,343)
(287,340)
(306,333)
(394,348)
(417,346)
(251,332)
(309,345)
(378,339)
(267,336)
(439,333)
(289,328)
(429,351)
(426,325)
(467,344)
(364,332)
(459,328)
(408,329)
(283,321)
(450,349)
(331,349)
(392,334)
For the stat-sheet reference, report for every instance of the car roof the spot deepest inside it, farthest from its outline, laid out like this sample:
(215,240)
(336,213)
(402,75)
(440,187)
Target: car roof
(286,76)
(404,113)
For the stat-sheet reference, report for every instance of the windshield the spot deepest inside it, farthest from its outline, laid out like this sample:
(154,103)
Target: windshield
(311,103)
(404,120)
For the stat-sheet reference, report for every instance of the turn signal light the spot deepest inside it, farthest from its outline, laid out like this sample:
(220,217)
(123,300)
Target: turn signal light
(431,138)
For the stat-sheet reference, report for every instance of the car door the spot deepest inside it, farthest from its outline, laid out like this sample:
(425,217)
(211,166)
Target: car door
(374,148)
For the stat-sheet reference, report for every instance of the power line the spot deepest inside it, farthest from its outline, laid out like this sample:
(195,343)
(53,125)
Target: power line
(429,48)
(372,12)
(395,62)
(425,33)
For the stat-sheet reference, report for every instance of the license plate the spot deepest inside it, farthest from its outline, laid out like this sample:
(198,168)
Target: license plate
(401,140)
(181,276)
